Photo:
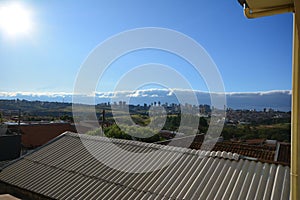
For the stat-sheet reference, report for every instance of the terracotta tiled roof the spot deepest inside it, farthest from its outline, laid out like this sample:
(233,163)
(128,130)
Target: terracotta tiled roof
(255,141)
(34,135)
(264,153)
(259,152)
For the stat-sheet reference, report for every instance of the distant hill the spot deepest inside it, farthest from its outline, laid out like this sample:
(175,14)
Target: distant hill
(38,108)
(277,100)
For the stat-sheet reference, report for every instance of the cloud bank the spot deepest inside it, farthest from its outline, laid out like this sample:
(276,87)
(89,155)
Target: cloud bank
(276,99)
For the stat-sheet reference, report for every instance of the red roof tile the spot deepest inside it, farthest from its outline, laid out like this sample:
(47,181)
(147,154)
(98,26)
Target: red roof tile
(34,135)
(261,152)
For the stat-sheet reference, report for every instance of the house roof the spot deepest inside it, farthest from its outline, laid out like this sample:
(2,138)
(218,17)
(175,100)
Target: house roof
(64,169)
(283,152)
(34,135)
(258,152)
(265,153)
(255,141)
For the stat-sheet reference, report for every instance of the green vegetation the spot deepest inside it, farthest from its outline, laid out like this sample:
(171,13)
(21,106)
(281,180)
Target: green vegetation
(242,124)
(144,134)
(280,132)
(173,122)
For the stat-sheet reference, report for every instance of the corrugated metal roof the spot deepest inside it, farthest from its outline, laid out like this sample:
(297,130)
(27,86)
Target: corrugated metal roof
(64,169)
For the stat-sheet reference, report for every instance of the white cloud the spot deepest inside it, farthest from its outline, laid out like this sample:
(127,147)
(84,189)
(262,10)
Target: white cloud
(154,95)
(261,92)
(277,99)
(138,93)
(134,94)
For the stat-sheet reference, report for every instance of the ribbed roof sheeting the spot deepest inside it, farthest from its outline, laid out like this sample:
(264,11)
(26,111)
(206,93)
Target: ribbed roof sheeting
(64,169)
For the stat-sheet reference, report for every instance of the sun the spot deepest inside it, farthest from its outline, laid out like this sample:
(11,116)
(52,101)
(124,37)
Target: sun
(15,19)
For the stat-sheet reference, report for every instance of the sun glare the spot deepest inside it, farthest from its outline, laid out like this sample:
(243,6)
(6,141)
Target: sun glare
(15,19)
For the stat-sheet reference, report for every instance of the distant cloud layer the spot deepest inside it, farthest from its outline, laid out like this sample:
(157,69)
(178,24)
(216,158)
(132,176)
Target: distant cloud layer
(277,99)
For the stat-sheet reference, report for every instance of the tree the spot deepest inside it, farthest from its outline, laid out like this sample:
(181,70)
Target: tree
(144,134)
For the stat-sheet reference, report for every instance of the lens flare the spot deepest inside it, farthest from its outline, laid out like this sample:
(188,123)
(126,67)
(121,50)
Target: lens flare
(15,19)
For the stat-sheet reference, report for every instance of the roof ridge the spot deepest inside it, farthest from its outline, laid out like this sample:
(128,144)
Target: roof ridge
(35,150)
(219,154)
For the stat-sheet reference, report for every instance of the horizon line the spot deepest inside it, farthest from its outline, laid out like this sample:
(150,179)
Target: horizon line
(31,93)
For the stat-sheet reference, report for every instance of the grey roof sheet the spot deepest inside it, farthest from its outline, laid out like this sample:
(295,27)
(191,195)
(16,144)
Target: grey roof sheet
(64,169)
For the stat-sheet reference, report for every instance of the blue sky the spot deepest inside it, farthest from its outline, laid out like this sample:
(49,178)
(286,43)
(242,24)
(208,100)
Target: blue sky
(251,55)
